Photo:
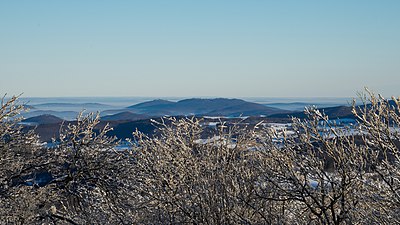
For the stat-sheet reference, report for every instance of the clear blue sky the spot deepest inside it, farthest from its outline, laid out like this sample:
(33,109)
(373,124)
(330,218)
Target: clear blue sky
(221,48)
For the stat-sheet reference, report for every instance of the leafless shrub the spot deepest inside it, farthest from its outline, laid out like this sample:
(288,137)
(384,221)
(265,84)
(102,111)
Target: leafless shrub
(80,181)
(185,179)
(379,123)
(17,153)
(89,174)
(317,173)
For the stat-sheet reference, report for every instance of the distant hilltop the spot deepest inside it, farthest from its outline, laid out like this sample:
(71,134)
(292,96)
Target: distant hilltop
(209,107)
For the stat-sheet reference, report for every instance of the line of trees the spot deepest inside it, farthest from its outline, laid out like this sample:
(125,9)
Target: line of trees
(318,174)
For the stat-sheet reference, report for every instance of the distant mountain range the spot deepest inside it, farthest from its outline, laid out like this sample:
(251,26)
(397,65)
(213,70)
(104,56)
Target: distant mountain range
(43,119)
(332,112)
(337,112)
(209,107)
(65,115)
(125,120)
(188,107)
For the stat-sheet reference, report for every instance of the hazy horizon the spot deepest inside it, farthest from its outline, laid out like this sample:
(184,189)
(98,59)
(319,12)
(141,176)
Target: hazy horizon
(127,101)
(236,49)
(68,107)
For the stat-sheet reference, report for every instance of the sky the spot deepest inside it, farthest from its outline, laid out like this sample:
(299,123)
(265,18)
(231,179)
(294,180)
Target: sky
(224,48)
